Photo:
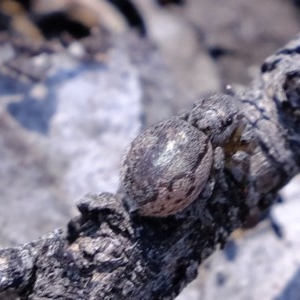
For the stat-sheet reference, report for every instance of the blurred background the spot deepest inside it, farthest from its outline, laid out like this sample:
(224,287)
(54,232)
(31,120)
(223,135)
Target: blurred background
(79,79)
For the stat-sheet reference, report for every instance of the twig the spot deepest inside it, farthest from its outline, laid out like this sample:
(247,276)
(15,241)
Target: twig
(109,254)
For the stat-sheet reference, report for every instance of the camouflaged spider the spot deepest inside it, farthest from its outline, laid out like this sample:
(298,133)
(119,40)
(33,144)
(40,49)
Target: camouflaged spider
(168,165)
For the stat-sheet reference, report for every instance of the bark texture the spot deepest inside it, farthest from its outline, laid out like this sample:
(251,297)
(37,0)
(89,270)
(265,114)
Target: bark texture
(106,253)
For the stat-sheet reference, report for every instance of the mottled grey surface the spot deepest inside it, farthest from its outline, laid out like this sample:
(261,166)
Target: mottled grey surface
(256,264)
(52,144)
(63,137)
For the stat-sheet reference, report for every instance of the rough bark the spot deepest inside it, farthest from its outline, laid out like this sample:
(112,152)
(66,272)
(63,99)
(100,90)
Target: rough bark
(106,253)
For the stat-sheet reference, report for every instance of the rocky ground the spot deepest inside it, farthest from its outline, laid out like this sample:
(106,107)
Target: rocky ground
(80,78)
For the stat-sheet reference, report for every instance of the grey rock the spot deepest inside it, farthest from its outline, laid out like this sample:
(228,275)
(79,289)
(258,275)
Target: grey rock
(62,136)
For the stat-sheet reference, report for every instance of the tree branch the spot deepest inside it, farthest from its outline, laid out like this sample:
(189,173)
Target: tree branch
(107,253)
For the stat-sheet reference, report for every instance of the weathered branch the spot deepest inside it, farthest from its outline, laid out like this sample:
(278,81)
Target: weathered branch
(108,254)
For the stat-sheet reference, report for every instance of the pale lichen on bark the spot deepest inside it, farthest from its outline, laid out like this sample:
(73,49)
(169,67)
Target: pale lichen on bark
(106,253)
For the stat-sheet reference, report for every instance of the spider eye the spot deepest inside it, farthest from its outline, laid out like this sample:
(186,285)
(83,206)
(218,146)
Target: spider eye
(229,121)
(206,130)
